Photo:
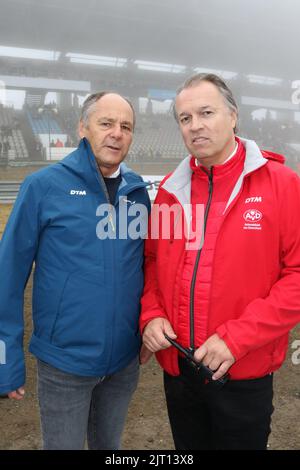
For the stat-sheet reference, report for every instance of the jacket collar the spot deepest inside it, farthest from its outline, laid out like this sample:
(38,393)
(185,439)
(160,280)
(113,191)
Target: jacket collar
(222,170)
(83,163)
(179,182)
(253,161)
(181,177)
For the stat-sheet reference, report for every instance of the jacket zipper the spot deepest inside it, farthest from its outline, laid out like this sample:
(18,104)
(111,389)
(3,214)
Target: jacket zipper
(228,210)
(103,186)
(193,283)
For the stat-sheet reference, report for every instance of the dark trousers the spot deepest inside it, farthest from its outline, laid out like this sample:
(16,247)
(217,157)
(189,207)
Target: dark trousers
(203,417)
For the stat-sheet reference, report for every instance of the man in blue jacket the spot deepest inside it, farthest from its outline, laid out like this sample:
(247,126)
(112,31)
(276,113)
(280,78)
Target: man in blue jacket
(82,222)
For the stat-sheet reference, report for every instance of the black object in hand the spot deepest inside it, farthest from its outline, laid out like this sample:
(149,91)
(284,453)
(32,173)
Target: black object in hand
(199,367)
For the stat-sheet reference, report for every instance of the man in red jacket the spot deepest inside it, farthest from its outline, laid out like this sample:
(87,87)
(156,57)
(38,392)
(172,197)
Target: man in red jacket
(224,284)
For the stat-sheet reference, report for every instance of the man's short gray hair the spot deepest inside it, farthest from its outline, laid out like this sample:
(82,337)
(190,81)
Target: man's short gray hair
(91,100)
(215,80)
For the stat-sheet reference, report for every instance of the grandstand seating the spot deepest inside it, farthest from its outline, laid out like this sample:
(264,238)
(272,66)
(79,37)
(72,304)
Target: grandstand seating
(156,137)
(10,131)
(159,139)
(70,117)
(17,145)
(42,124)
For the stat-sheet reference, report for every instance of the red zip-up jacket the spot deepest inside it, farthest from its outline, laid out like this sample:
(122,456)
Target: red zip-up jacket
(254,295)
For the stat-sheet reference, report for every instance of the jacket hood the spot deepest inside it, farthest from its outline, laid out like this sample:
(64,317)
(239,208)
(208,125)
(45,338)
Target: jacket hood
(273,156)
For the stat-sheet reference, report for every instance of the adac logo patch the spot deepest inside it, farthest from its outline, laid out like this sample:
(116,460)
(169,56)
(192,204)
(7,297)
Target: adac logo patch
(252,215)
(252,218)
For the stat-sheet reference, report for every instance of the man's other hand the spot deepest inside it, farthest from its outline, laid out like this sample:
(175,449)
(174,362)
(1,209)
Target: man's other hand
(145,354)
(154,334)
(215,354)
(17,394)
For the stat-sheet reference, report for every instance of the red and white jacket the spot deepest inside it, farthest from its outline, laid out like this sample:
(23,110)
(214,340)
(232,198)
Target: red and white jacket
(246,285)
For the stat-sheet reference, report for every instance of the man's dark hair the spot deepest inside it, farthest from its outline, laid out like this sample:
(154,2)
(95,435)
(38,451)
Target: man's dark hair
(89,102)
(215,80)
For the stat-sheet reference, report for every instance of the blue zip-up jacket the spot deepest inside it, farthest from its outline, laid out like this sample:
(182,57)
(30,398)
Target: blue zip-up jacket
(86,291)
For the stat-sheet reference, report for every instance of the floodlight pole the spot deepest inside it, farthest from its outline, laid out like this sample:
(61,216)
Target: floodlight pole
(49,133)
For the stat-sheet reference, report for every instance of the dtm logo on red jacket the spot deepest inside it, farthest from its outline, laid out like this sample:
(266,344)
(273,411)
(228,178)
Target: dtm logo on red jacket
(252,218)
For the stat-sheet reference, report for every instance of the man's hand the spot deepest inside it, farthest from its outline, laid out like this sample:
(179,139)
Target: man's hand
(17,394)
(154,334)
(215,354)
(145,355)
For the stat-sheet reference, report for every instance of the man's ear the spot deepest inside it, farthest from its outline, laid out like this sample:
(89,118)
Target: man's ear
(81,129)
(234,120)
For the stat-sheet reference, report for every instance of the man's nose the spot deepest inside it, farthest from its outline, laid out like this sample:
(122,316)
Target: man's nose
(196,123)
(117,132)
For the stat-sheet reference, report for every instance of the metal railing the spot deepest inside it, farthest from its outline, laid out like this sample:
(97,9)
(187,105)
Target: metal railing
(9,191)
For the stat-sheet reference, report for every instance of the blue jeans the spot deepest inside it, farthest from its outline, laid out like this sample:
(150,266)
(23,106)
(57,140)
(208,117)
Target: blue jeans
(73,407)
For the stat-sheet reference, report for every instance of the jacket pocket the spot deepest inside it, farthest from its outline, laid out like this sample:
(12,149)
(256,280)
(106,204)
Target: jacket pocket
(48,287)
(81,315)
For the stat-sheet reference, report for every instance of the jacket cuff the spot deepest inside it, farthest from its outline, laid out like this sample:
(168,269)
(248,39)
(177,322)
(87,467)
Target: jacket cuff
(232,346)
(144,320)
